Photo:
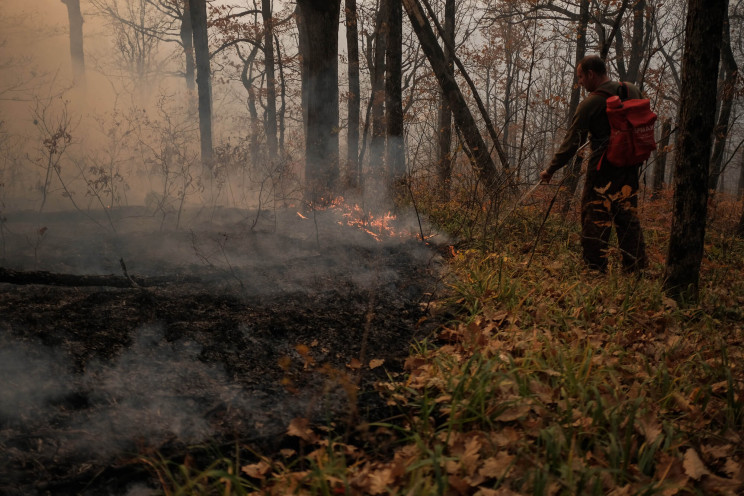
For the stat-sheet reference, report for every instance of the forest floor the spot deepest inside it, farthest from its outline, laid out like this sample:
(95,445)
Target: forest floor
(238,335)
(545,378)
(370,369)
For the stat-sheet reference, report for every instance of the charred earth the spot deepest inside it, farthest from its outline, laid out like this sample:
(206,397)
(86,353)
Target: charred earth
(221,334)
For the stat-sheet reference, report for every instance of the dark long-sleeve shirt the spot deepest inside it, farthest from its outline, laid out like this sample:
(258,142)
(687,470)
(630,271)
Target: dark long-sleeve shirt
(590,119)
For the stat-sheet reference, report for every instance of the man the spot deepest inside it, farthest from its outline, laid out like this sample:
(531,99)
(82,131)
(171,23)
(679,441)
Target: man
(610,193)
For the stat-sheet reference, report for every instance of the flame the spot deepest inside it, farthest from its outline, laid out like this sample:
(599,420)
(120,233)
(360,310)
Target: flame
(378,227)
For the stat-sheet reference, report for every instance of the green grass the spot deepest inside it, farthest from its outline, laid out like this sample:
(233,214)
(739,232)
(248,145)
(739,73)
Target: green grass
(549,380)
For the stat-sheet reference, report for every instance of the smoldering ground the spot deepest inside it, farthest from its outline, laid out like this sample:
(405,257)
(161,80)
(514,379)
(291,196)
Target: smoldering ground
(250,325)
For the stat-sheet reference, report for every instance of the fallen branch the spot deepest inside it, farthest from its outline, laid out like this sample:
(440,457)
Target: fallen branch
(11,276)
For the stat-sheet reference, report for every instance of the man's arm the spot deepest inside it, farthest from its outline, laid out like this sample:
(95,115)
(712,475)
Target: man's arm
(575,135)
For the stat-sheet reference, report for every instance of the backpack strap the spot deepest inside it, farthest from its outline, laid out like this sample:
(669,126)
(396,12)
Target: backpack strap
(622,92)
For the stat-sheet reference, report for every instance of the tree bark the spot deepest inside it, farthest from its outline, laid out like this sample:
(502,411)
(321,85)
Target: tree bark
(696,119)
(636,44)
(354,110)
(282,95)
(270,126)
(444,127)
(198,12)
(246,77)
(395,153)
(573,171)
(740,189)
(319,52)
(464,120)
(661,157)
(728,90)
(77,54)
(377,144)
(187,37)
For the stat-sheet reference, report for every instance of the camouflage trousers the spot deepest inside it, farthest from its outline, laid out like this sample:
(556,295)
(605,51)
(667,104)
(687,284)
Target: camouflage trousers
(610,198)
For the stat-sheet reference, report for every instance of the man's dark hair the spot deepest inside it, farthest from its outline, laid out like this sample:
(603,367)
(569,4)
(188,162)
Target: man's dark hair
(593,63)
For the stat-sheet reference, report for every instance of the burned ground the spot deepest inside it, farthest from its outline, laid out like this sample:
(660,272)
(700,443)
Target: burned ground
(231,344)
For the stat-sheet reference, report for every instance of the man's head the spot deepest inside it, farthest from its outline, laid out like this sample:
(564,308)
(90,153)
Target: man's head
(591,72)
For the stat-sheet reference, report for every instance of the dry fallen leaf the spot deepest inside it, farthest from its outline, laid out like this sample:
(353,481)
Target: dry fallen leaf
(355,364)
(502,491)
(299,427)
(302,349)
(373,364)
(379,480)
(513,413)
(496,466)
(694,466)
(649,426)
(256,470)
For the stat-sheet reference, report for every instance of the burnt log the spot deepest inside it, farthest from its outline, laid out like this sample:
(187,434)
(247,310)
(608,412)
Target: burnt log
(18,277)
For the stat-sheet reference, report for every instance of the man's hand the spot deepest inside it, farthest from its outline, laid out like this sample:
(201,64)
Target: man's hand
(545,176)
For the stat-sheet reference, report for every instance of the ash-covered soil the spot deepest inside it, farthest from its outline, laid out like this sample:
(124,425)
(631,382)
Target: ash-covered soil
(244,331)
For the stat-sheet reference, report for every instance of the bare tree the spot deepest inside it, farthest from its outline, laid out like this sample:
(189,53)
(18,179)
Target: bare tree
(352,139)
(395,157)
(377,144)
(77,54)
(318,27)
(727,92)
(444,126)
(464,120)
(662,153)
(696,119)
(270,120)
(198,12)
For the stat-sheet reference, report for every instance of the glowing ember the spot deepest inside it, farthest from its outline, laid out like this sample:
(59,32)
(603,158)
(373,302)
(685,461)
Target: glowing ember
(377,226)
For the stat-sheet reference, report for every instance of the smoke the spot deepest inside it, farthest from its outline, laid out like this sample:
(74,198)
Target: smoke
(155,391)
(31,377)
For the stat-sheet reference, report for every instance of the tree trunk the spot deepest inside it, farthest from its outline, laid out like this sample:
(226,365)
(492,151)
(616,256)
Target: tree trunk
(740,190)
(198,13)
(661,157)
(282,96)
(187,37)
(512,73)
(728,90)
(573,171)
(77,54)
(740,193)
(377,145)
(444,128)
(352,139)
(636,44)
(319,52)
(696,119)
(270,118)
(246,77)
(464,120)
(395,157)
(605,39)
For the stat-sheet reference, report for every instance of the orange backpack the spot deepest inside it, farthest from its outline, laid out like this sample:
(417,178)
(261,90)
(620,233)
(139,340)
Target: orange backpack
(631,129)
